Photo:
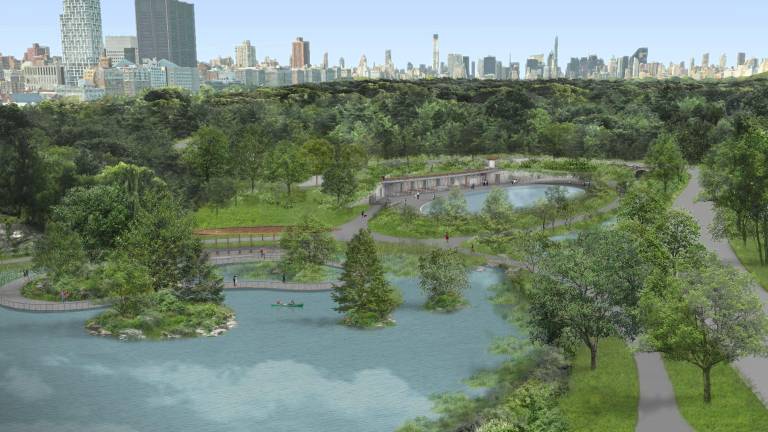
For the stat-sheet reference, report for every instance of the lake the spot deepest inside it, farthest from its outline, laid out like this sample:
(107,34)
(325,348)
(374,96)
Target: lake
(279,370)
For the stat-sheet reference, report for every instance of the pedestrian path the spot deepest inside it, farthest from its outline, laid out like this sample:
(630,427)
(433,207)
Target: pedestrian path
(753,369)
(657,408)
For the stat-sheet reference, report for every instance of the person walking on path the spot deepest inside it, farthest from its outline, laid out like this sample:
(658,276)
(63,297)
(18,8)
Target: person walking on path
(283,277)
(234,281)
(447,238)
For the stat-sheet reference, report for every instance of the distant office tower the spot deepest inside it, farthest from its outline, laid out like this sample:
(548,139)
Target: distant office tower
(118,48)
(81,41)
(473,74)
(245,55)
(166,30)
(300,53)
(387,57)
(436,53)
(705,60)
(456,67)
(341,62)
(723,61)
(741,58)
(325,60)
(37,53)
(488,67)
(466,66)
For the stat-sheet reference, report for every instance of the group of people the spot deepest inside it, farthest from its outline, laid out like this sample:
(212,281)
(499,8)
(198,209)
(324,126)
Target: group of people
(280,302)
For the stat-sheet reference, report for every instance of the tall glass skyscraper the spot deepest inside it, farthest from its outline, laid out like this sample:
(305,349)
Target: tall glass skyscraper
(166,30)
(81,40)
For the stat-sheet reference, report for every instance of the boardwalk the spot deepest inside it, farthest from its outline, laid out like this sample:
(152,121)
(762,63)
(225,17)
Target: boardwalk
(11,298)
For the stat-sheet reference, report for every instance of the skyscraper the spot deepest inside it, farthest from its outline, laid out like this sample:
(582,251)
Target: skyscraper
(166,30)
(556,67)
(121,48)
(436,53)
(245,55)
(456,66)
(325,60)
(741,58)
(300,53)
(642,55)
(81,41)
(705,60)
(723,61)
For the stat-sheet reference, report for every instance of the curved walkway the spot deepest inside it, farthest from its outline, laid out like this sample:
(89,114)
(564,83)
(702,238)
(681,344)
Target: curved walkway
(753,369)
(11,298)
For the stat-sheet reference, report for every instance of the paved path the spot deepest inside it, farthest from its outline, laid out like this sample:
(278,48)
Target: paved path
(657,408)
(753,369)
(10,297)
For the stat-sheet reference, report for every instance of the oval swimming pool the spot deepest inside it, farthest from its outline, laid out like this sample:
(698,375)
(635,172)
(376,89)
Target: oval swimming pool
(520,196)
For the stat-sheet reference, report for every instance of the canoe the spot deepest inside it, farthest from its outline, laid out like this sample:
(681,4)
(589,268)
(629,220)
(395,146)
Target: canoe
(296,305)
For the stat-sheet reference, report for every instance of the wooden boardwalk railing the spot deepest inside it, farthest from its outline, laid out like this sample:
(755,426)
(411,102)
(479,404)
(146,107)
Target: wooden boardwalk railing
(32,306)
(281,286)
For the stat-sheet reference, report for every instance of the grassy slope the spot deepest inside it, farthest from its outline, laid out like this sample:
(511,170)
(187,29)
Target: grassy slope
(250,210)
(604,399)
(750,259)
(734,407)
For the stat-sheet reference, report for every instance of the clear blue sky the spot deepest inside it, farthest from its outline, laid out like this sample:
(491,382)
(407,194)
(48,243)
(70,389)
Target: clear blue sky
(674,30)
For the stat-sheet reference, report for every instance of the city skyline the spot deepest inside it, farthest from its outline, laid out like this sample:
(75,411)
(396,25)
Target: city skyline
(669,38)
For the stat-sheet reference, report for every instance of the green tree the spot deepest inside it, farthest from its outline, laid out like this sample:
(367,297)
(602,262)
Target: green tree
(558,200)
(161,239)
(587,290)
(679,232)
(309,242)
(319,155)
(287,164)
(340,181)
(219,191)
(99,214)
(497,208)
(456,204)
(705,316)
(250,150)
(666,160)
(136,181)
(125,281)
(443,279)
(60,252)
(208,153)
(364,294)
(643,204)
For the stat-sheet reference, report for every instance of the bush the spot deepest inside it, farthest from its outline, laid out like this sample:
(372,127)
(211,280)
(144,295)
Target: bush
(447,302)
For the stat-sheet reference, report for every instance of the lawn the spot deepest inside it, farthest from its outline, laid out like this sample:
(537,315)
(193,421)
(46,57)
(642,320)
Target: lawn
(262,210)
(604,399)
(750,259)
(734,407)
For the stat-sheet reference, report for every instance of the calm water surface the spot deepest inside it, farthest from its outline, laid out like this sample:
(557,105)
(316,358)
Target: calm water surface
(519,196)
(280,370)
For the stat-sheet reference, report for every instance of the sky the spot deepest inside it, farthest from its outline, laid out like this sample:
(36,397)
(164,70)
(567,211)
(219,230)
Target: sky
(673,30)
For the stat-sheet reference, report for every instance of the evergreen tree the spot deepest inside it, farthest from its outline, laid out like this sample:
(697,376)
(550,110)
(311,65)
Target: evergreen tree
(364,295)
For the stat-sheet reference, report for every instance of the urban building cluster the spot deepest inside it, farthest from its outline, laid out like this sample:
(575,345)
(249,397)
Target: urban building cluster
(163,53)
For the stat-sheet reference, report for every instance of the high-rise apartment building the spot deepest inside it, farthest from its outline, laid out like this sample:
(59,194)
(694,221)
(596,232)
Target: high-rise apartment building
(436,53)
(81,41)
(723,61)
(119,48)
(166,30)
(300,53)
(705,60)
(245,55)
